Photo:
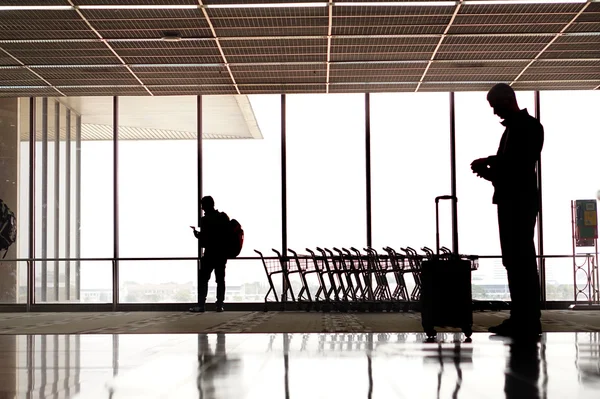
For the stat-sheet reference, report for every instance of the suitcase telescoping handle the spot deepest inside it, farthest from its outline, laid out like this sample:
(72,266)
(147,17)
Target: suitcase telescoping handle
(437,220)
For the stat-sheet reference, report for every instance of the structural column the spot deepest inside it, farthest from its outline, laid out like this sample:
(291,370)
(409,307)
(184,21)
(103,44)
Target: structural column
(68,206)
(540,221)
(115,271)
(44,201)
(78,207)
(284,239)
(199,176)
(56,199)
(368,166)
(453,175)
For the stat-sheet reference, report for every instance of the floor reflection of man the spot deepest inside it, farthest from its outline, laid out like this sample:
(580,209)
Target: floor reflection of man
(523,371)
(216,371)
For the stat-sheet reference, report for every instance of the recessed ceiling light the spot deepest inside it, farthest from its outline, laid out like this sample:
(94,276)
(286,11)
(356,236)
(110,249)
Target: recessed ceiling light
(171,36)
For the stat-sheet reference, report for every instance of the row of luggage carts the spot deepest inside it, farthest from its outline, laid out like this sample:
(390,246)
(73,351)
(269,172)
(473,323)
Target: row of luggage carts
(342,279)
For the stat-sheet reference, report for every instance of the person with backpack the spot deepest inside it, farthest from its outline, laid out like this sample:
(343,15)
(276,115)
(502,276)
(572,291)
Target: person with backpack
(221,239)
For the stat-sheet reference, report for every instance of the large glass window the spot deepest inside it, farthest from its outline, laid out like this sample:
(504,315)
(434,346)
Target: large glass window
(410,161)
(478,132)
(92,213)
(570,171)
(326,199)
(157,196)
(244,178)
(23,227)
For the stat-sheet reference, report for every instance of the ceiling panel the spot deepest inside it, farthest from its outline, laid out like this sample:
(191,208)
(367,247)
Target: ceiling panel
(507,18)
(382,49)
(591,26)
(372,88)
(275,74)
(275,50)
(159,52)
(103,91)
(43,24)
(26,92)
(19,77)
(174,76)
(442,86)
(62,53)
(285,50)
(280,88)
(473,73)
(148,23)
(491,47)
(573,49)
(244,22)
(6,60)
(561,70)
(204,90)
(556,85)
(69,76)
(35,2)
(133,2)
(373,20)
(365,73)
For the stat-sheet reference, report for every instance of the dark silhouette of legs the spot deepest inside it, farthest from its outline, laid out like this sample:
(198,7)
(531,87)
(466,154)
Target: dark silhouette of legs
(516,223)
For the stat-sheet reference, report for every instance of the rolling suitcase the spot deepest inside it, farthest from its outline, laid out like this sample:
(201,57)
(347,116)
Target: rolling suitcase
(446,288)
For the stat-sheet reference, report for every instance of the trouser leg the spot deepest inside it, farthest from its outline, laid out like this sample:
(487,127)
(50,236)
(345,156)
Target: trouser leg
(206,269)
(517,224)
(220,277)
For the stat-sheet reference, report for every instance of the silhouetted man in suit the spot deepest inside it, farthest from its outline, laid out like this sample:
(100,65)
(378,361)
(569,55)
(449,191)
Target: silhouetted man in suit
(512,171)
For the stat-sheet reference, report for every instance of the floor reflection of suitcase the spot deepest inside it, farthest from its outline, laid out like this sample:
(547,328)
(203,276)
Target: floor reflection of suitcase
(446,289)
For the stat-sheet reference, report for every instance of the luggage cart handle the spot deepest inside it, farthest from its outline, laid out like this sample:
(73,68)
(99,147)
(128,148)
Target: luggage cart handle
(445,197)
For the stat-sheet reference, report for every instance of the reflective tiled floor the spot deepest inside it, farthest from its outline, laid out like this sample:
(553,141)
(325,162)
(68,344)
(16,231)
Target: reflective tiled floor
(563,365)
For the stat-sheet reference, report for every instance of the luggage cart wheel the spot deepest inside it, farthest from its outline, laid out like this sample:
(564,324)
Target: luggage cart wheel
(468,331)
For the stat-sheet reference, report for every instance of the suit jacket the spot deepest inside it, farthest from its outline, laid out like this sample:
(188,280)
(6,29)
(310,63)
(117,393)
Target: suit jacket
(512,170)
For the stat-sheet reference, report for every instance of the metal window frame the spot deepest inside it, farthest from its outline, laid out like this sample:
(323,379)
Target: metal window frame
(116,305)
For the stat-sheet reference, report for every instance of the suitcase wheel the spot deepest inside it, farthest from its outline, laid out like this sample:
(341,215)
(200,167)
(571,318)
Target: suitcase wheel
(468,331)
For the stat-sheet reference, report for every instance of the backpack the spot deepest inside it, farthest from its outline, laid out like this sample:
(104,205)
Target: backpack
(236,241)
(234,238)
(8,228)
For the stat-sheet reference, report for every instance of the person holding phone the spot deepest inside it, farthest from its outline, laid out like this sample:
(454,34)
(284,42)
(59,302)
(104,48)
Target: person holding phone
(512,172)
(213,229)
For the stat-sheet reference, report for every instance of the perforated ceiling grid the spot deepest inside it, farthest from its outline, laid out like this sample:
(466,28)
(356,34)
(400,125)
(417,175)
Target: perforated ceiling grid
(117,47)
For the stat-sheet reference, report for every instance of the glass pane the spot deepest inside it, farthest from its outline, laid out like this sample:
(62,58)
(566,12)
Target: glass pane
(410,160)
(157,188)
(244,178)
(246,281)
(22,213)
(570,171)
(478,132)
(560,279)
(326,171)
(89,234)
(136,287)
(244,175)
(489,282)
